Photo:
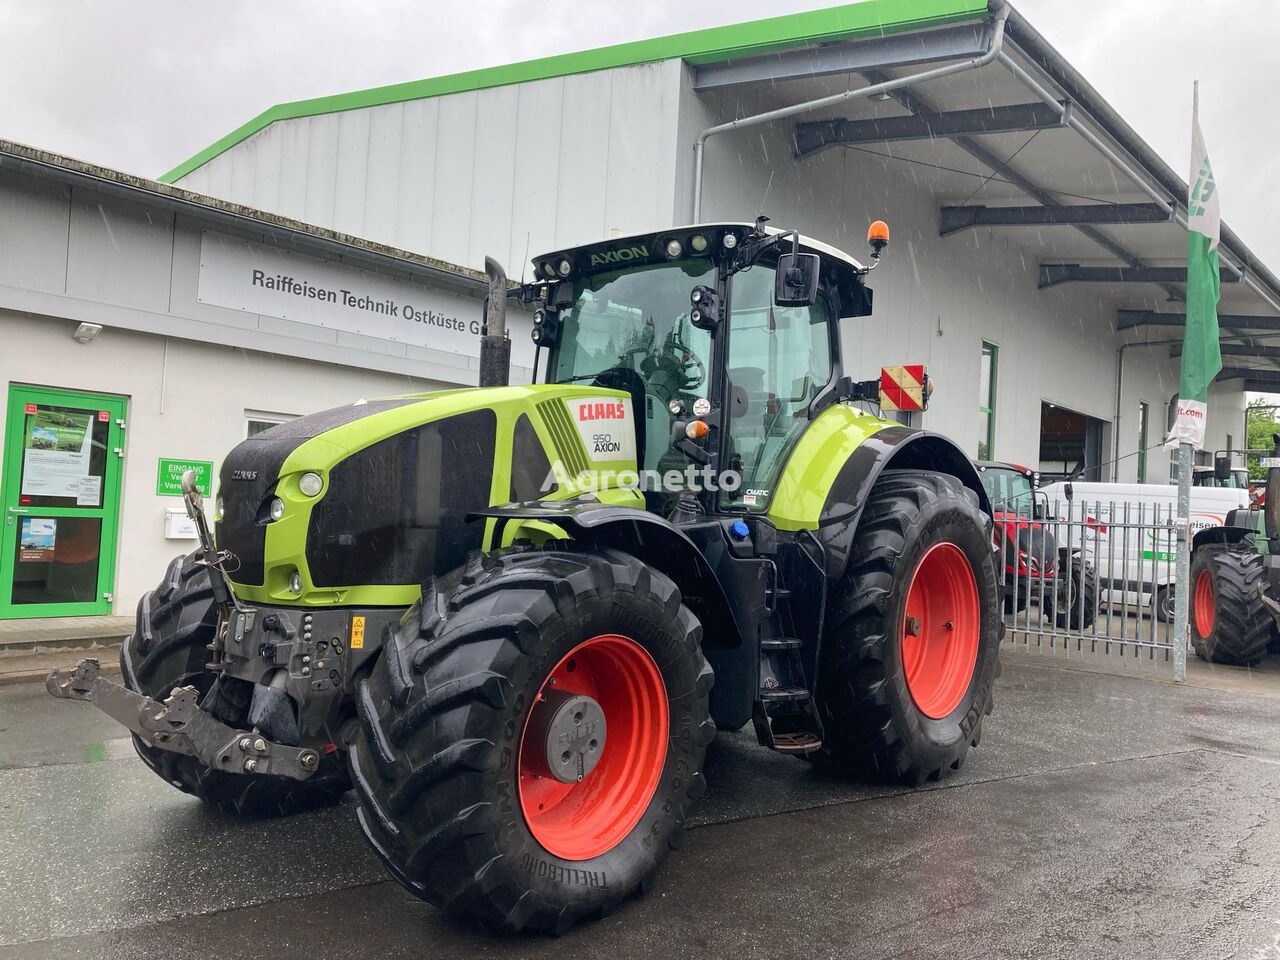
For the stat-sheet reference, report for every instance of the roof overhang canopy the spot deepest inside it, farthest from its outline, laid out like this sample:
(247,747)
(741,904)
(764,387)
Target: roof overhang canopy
(1025,146)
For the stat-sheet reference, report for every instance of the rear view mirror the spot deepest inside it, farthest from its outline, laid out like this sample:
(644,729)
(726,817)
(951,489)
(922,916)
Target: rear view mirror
(796,283)
(1222,468)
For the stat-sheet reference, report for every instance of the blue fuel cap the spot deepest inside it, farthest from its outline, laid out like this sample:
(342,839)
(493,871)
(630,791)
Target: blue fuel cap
(739,530)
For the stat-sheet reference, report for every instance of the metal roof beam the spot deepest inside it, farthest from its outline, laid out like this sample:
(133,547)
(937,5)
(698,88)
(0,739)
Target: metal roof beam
(1248,349)
(1256,374)
(1015,118)
(956,219)
(1052,274)
(897,50)
(1128,319)
(918,104)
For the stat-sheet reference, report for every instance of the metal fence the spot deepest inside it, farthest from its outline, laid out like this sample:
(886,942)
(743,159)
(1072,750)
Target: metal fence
(1088,579)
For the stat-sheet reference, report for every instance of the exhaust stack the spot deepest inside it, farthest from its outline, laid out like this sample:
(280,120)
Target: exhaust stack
(495,344)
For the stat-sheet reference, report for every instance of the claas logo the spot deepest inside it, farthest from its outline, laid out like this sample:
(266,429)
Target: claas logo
(601,411)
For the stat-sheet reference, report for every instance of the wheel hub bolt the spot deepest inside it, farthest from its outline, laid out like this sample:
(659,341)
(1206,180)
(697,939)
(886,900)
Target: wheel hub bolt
(949,625)
(913,626)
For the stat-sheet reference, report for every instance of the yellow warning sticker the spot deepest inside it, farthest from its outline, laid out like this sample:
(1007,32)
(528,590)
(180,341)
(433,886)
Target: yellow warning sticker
(357,633)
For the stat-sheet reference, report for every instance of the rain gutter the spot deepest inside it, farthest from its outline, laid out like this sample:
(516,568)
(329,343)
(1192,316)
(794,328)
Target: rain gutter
(861,93)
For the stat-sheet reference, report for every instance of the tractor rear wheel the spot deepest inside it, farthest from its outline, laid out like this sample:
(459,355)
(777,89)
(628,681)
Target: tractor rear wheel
(1229,623)
(911,647)
(174,624)
(532,737)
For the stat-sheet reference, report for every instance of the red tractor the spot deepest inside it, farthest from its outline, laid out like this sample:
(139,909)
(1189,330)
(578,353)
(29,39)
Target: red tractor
(1031,554)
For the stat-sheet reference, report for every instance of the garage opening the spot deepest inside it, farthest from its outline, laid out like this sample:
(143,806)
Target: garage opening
(1069,442)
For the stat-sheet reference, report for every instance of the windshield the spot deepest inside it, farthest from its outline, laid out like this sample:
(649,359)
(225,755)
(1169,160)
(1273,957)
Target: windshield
(629,330)
(637,320)
(1008,489)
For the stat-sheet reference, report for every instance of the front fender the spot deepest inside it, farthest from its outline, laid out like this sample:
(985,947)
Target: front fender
(651,539)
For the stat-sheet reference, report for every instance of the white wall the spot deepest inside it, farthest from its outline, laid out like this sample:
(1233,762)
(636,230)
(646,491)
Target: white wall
(186,401)
(509,171)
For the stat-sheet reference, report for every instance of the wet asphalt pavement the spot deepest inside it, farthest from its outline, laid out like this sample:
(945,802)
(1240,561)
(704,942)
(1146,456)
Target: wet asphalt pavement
(1103,816)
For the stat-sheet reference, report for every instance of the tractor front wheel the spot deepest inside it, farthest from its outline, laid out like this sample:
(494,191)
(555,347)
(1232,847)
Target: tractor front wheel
(532,738)
(168,648)
(910,651)
(1229,623)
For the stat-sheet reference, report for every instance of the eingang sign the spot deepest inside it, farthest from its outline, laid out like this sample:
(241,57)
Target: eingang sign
(256,278)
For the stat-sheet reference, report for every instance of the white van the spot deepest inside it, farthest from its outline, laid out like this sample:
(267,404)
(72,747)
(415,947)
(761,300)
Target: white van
(1126,532)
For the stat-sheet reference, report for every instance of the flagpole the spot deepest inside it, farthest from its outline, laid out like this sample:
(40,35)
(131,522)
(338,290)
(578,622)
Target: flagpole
(1182,524)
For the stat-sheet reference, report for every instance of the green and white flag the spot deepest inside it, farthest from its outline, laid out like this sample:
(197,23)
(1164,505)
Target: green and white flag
(1201,356)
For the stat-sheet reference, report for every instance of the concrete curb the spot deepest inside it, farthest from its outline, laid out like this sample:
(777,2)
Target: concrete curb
(34,666)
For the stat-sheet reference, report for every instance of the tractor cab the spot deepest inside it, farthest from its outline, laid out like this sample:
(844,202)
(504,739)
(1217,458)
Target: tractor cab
(726,337)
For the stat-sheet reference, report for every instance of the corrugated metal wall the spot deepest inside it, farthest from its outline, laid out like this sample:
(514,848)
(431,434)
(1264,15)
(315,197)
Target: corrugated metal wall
(508,171)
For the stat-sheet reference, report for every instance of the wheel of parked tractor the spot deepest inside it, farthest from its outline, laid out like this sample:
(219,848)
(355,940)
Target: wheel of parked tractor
(911,645)
(1074,603)
(1229,623)
(532,737)
(174,624)
(1163,603)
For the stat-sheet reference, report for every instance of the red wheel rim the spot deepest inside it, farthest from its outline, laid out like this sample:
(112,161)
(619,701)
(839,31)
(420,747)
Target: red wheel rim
(940,630)
(578,821)
(1204,603)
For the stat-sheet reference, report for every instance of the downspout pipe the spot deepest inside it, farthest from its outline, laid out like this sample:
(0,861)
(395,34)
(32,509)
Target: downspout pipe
(1115,424)
(1159,196)
(861,93)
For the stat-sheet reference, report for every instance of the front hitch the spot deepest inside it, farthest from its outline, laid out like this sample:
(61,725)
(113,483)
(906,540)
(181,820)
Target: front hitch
(179,725)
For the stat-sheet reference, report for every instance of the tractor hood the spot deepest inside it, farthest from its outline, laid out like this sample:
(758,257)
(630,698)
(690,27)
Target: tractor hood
(361,503)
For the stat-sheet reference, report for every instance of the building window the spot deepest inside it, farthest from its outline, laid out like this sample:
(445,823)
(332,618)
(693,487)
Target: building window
(987,402)
(255,421)
(1143,416)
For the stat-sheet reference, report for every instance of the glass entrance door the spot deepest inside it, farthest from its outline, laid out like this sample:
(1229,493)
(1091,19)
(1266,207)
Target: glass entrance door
(60,495)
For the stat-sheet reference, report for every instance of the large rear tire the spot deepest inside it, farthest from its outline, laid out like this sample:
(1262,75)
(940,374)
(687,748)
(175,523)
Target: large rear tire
(464,725)
(1228,621)
(911,648)
(174,624)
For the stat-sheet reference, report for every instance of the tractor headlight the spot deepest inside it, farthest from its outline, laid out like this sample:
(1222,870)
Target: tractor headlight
(276,510)
(295,582)
(674,249)
(730,240)
(549,269)
(698,242)
(310,484)
(565,267)
(218,511)
(539,317)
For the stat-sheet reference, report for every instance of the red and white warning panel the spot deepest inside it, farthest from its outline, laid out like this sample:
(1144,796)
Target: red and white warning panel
(904,387)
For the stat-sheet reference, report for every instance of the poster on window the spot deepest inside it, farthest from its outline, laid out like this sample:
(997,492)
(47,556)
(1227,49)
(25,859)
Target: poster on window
(37,540)
(55,455)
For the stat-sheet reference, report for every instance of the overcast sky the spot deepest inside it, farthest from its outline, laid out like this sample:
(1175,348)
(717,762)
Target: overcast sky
(141,85)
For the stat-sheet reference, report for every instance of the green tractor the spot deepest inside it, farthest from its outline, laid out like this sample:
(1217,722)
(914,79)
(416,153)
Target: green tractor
(1234,615)
(513,617)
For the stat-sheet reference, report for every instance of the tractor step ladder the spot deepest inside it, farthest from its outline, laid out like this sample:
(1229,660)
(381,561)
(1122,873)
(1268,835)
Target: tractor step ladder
(785,716)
